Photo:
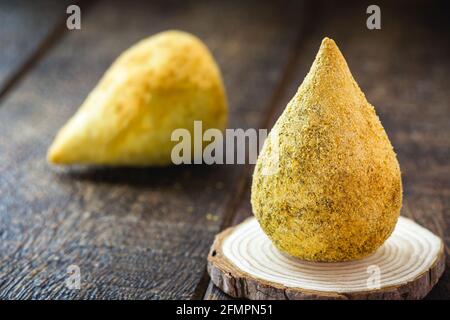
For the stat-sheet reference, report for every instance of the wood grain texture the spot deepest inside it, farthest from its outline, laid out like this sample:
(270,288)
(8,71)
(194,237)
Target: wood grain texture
(245,264)
(134,233)
(403,69)
(27,30)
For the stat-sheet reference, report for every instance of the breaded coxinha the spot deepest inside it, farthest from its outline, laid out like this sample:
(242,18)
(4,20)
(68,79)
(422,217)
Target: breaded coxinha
(162,83)
(337,193)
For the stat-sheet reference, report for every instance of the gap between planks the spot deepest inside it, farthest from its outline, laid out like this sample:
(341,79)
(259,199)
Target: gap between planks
(54,35)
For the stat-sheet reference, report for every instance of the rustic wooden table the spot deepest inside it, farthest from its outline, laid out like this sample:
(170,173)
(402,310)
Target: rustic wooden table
(145,233)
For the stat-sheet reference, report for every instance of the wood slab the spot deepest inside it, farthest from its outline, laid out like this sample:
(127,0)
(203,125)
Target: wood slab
(244,263)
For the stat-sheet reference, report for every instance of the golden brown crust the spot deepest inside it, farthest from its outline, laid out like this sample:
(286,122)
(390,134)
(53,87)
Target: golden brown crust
(338,192)
(162,83)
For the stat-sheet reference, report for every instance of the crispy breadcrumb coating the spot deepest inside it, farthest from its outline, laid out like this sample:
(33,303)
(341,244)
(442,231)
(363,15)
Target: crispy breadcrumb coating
(338,191)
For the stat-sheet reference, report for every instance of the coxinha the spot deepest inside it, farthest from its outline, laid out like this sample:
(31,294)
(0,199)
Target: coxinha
(160,84)
(337,193)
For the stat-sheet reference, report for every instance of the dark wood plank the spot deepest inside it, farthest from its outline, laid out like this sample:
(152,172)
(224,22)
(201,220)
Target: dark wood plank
(214,293)
(403,70)
(134,233)
(27,29)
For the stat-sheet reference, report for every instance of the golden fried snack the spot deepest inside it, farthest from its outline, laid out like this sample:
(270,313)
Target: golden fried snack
(337,193)
(160,84)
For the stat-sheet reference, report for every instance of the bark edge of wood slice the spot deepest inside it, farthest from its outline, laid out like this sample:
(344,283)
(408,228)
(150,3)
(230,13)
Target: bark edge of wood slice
(243,263)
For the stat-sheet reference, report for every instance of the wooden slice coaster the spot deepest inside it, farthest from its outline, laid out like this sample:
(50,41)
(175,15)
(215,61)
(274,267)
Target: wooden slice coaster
(244,264)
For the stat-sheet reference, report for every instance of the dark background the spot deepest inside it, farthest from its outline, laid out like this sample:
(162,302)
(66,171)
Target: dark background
(145,233)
